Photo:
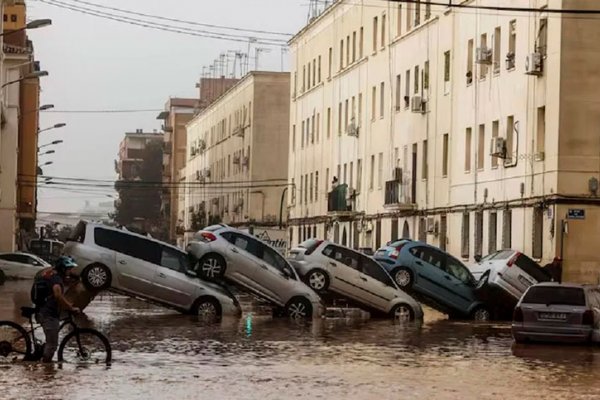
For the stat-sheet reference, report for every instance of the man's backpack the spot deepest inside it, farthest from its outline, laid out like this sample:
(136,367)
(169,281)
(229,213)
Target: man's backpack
(40,291)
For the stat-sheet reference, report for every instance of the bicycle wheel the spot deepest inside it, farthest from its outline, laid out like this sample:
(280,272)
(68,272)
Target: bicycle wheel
(85,346)
(15,342)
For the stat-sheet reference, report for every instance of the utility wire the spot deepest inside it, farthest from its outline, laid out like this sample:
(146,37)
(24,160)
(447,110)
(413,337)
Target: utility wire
(101,111)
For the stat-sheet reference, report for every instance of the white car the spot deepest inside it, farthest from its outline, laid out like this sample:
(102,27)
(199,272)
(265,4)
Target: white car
(143,267)
(221,253)
(510,272)
(21,265)
(326,266)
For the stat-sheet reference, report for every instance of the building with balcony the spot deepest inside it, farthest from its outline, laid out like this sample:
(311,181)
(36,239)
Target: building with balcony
(470,131)
(237,151)
(131,153)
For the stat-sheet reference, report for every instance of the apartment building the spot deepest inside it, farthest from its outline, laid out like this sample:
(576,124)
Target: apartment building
(463,128)
(131,153)
(238,155)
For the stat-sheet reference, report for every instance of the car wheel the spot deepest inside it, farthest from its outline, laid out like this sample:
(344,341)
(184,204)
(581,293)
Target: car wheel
(318,280)
(96,277)
(402,313)
(2,277)
(403,277)
(481,314)
(211,267)
(207,309)
(299,308)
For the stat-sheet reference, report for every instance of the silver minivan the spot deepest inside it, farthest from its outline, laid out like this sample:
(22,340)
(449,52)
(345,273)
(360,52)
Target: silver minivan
(143,267)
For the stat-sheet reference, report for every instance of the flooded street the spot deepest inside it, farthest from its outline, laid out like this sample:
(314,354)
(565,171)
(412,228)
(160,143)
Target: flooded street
(159,354)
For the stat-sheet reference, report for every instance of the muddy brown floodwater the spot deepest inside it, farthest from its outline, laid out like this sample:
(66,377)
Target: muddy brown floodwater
(162,355)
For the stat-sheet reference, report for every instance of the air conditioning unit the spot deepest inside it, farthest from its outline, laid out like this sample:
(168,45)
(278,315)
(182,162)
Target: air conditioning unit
(201,145)
(236,159)
(534,64)
(207,173)
(430,224)
(418,104)
(352,129)
(245,161)
(483,55)
(397,174)
(498,147)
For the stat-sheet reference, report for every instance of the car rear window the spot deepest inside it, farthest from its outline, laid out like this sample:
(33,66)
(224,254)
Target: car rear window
(532,268)
(78,234)
(310,245)
(499,255)
(555,295)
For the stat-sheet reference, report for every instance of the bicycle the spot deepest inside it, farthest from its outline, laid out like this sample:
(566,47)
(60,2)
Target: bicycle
(80,345)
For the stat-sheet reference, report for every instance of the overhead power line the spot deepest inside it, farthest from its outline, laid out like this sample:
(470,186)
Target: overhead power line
(102,111)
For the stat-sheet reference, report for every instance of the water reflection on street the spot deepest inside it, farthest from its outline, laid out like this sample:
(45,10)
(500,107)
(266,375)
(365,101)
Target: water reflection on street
(159,354)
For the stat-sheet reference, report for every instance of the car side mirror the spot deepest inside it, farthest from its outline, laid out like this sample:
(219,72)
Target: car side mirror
(287,273)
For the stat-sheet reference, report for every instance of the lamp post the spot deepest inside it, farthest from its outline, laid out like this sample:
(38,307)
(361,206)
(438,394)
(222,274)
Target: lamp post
(55,126)
(50,144)
(31,75)
(47,152)
(37,23)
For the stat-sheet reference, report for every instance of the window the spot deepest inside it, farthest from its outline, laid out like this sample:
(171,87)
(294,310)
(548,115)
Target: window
(312,131)
(130,245)
(481,147)
(381,99)
(311,187)
(495,129)
(375,271)
(497,49)
(245,243)
(317,186)
(358,175)
(347,50)
(492,232)
(459,271)
(532,268)
(399,20)
(173,259)
(5,17)
(293,93)
(301,187)
(372,177)
(373,102)
(407,89)
(345,174)
(408,17)
(380,171)
(507,229)
(308,86)
(479,233)
(447,72)
(426,75)
(341,54)
(383,31)
(328,122)
(306,189)
(359,121)
(319,73)
(422,230)
(468,150)
(424,161)
(342,255)
(340,119)
(361,46)
(538,232)
(302,141)
(398,92)
(13,18)
(351,175)
(375,32)
(427,10)
(416,80)
(346,115)
(445,155)
(293,191)
(326,179)
(483,68)
(429,255)
(330,63)
(540,142)
(470,62)
(275,260)
(464,247)
(314,76)
(542,44)
(568,296)
(318,129)
(353,110)
(353,46)
(417,12)
(512,45)
(510,126)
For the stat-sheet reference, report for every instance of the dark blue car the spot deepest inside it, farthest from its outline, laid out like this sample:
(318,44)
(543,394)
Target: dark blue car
(436,277)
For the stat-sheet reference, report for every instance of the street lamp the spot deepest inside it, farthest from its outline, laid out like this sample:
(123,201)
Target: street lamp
(47,163)
(50,144)
(46,107)
(47,152)
(55,126)
(37,23)
(31,75)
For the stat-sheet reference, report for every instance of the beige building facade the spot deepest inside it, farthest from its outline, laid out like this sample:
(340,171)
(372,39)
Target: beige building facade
(469,129)
(238,155)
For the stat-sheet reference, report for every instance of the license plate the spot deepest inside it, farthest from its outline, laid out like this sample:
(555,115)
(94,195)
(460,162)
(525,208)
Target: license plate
(525,281)
(553,316)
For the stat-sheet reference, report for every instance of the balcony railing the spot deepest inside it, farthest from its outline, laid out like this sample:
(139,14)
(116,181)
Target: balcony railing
(337,199)
(396,193)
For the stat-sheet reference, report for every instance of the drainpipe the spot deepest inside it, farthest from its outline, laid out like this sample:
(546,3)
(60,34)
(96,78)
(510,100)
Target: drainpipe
(281,207)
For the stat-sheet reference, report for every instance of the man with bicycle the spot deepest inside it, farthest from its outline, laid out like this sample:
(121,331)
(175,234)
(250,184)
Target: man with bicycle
(47,294)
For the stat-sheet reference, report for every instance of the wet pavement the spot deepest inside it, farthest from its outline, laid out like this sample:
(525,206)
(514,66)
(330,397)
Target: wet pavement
(159,354)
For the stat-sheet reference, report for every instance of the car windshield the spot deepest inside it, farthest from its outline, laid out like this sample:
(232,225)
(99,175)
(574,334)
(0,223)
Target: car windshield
(555,295)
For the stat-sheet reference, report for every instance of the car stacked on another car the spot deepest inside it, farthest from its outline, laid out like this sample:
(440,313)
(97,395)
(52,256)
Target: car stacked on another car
(221,252)
(555,312)
(329,267)
(439,279)
(144,267)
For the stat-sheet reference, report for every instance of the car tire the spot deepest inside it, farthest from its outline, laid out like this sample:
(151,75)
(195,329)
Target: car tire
(403,277)
(317,280)
(211,267)
(402,313)
(207,308)
(481,314)
(96,277)
(299,308)
(2,277)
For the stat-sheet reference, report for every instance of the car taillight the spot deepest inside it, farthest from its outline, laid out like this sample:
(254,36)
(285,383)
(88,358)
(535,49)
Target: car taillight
(518,315)
(208,237)
(513,260)
(588,318)
(394,254)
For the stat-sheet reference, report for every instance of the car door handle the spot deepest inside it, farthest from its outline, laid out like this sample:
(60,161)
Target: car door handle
(233,249)
(122,262)
(418,263)
(160,274)
(263,266)
(363,278)
(333,264)
(447,277)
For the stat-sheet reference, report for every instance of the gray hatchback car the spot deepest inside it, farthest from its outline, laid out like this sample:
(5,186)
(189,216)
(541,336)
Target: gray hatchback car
(554,312)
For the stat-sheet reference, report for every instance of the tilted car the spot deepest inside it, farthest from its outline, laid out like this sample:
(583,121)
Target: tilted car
(21,265)
(326,266)
(143,267)
(555,312)
(439,279)
(221,252)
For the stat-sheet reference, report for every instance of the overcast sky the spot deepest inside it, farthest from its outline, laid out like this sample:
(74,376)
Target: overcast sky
(98,64)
